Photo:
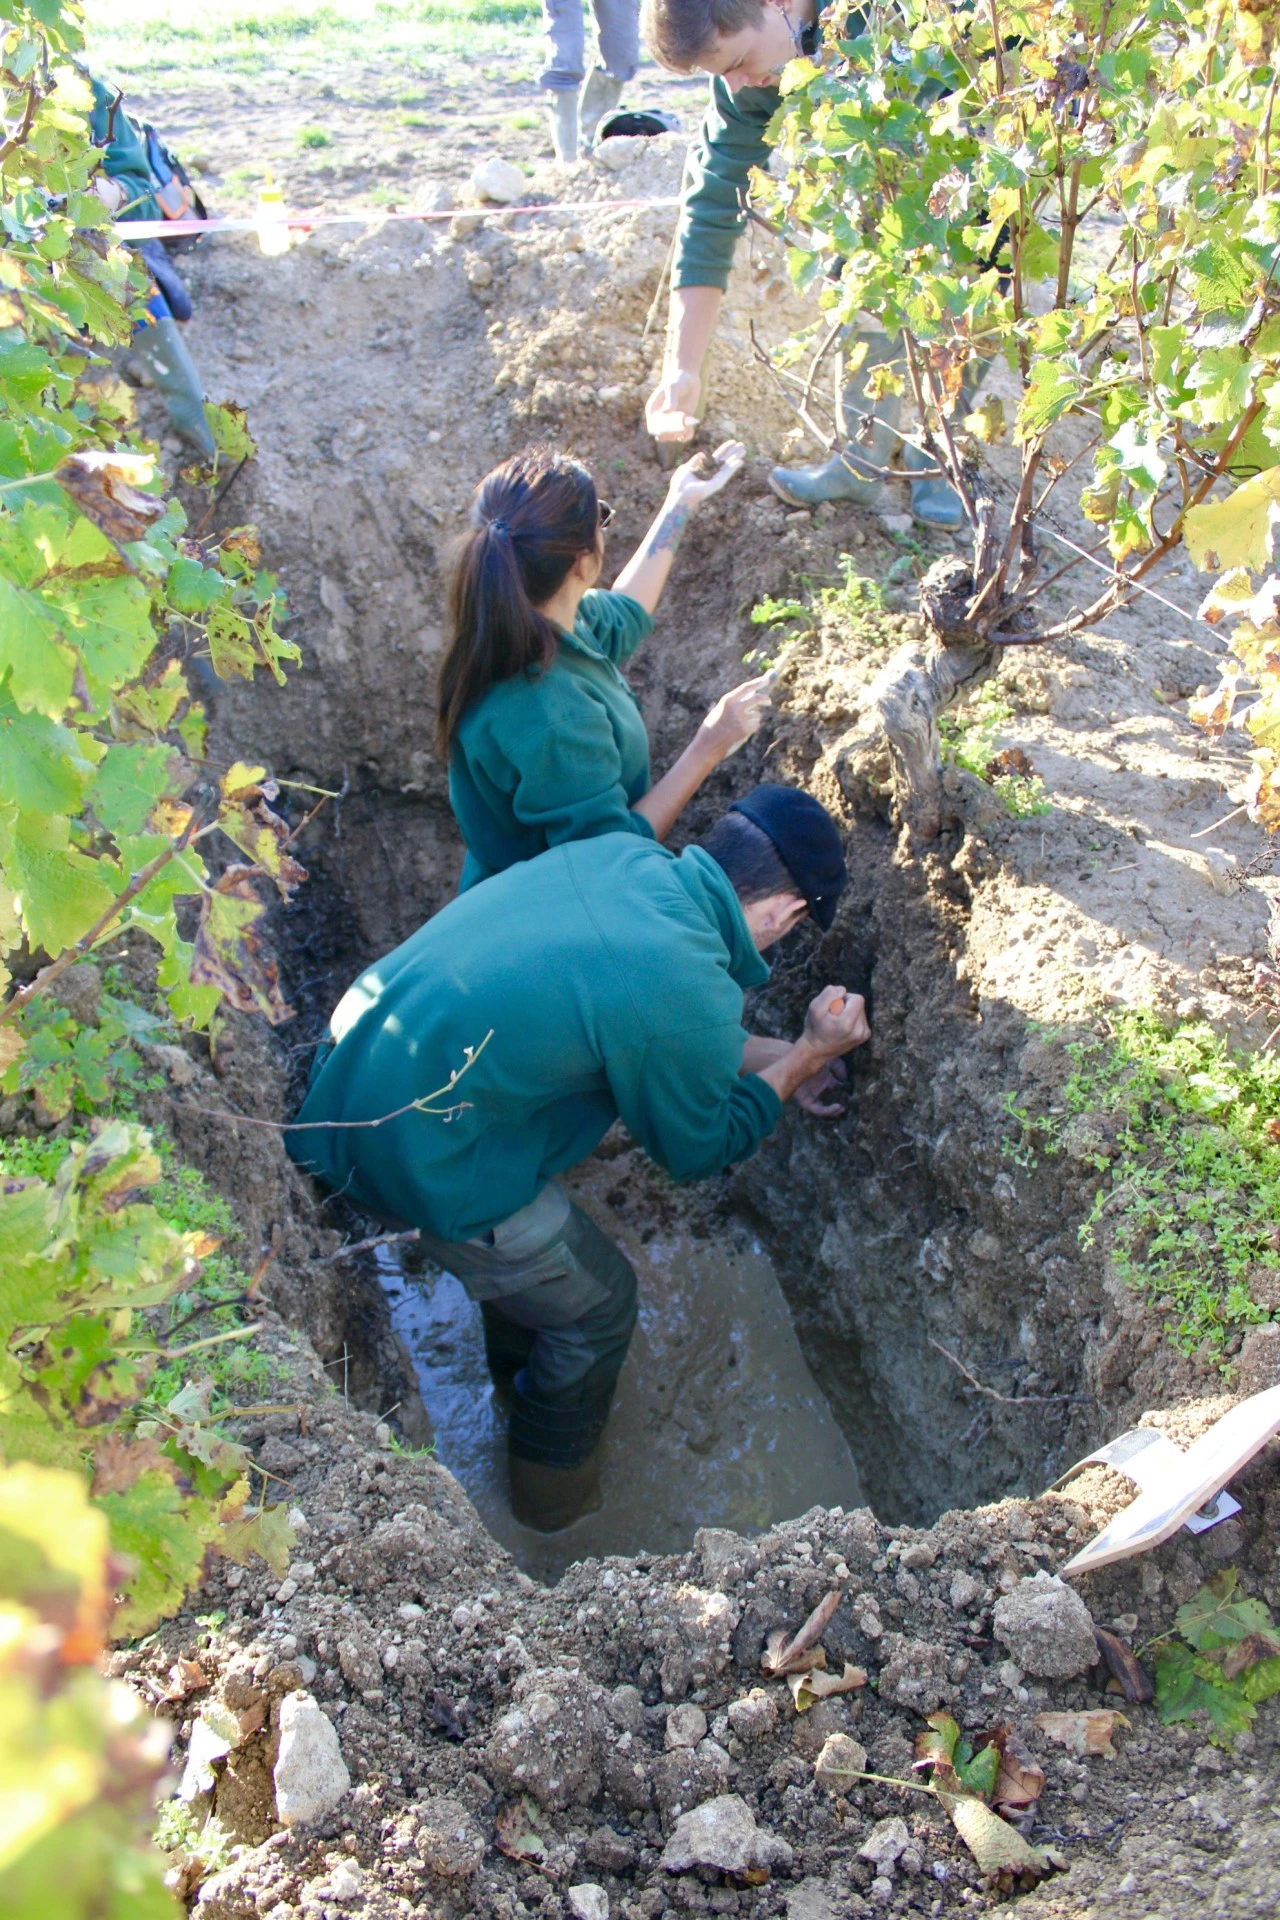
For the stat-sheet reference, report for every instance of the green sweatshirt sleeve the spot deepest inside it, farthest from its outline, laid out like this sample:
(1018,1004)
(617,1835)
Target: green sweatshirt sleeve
(615,621)
(684,1100)
(731,142)
(570,778)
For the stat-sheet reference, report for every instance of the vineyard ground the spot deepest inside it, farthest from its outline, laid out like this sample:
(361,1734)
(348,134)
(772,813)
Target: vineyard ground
(383,375)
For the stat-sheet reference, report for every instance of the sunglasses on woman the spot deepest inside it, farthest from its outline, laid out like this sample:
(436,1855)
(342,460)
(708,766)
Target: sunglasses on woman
(606,514)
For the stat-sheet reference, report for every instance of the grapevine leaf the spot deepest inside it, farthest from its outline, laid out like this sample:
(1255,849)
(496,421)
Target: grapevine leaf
(268,1533)
(63,891)
(41,671)
(229,426)
(164,1535)
(105,488)
(229,953)
(1237,531)
(232,647)
(1218,1615)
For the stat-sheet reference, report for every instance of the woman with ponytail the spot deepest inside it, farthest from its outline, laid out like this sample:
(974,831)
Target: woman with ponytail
(542,735)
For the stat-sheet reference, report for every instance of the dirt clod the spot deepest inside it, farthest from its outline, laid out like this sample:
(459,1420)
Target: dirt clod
(1047,1628)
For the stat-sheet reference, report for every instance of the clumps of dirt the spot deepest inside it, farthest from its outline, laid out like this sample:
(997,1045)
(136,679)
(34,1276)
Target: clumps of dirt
(507,1746)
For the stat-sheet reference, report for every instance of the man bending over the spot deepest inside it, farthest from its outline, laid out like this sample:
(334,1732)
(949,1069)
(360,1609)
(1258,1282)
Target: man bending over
(602,980)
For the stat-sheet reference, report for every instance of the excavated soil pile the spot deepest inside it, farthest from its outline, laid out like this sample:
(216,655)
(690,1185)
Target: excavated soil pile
(383,377)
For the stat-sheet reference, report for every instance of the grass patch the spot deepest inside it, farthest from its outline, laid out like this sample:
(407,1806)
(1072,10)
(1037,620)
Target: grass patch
(1189,1144)
(311,137)
(170,42)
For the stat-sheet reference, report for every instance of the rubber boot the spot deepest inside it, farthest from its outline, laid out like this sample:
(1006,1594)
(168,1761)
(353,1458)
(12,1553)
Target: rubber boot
(506,1349)
(167,366)
(548,1499)
(562,114)
(601,92)
(843,475)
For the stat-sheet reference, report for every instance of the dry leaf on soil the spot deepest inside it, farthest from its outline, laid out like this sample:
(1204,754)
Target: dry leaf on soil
(1021,1779)
(998,1848)
(819,1685)
(1134,1682)
(1082,1733)
(782,1655)
(185,1676)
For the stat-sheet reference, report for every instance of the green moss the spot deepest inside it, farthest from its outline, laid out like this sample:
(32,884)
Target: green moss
(1190,1197)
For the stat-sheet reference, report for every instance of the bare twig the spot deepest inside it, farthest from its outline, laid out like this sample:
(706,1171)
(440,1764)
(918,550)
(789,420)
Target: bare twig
(1234,813)
(366,1246)
(421,1105)
(194,1346)
(1014,1399)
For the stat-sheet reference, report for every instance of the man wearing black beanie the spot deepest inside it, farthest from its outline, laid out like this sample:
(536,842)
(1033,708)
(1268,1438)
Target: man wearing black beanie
(602,980)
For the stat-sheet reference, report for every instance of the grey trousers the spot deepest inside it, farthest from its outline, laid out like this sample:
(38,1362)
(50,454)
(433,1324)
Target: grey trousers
(618,31)
(559,1306)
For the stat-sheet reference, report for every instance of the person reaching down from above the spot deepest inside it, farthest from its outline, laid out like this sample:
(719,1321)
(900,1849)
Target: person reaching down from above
(542,736)
(743,45)
(601,981)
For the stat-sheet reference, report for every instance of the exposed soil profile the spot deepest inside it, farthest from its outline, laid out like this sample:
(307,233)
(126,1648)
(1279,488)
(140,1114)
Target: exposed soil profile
(920,1243)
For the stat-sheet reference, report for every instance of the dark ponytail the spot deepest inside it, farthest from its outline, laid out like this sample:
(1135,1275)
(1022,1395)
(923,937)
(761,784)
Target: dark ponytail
(531,519)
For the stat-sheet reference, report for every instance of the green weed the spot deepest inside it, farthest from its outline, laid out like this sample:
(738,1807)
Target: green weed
(1191,1160)
(180,1829)
(309,137)
(854,606)
(969,734)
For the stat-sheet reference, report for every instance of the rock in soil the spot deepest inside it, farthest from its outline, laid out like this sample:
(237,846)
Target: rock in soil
(310,1774)
(1047,1628)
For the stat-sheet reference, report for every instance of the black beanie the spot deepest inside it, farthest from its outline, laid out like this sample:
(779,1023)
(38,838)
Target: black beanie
(807,840)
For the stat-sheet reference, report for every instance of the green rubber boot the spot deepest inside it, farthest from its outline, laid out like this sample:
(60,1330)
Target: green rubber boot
(934,501)
(601,92)
(844,474)
(166,365)
(562,115)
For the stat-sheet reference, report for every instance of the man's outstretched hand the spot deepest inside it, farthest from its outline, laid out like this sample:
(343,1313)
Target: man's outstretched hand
(671,411)
(805,1070)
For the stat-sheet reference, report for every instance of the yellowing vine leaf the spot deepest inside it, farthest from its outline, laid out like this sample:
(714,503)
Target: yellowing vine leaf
(1237,531)
(229,953)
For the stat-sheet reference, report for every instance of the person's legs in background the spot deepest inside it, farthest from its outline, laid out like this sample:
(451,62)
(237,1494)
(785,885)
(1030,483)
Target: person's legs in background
(618,31)
(561,77)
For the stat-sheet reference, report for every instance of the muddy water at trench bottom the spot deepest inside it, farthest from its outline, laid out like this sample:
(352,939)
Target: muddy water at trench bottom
(717,1421)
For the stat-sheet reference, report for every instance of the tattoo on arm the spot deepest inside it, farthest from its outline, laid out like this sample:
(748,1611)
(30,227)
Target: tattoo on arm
(667,534)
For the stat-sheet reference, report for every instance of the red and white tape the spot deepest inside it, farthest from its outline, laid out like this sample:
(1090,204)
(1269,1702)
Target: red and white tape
(130,231)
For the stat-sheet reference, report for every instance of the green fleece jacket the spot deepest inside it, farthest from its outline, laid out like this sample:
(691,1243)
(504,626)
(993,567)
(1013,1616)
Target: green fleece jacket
(713,194)
(124,152)
(601,981)
(555,755)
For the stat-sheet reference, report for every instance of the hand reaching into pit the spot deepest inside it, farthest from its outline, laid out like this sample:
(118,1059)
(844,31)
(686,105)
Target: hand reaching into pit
(671,411)
(735,717)
(836,1022)
(809,1094)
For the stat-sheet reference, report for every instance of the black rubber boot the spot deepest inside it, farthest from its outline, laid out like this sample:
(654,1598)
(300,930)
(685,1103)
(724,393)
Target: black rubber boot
(506,1349)
(547,1498)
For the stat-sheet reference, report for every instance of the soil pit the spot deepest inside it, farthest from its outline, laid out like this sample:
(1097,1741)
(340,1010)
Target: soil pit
(918,1250)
